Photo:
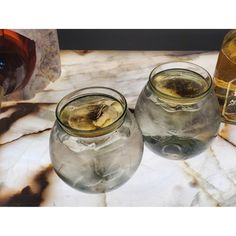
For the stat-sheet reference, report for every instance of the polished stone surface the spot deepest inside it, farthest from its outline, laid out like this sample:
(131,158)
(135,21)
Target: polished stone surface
(27,179)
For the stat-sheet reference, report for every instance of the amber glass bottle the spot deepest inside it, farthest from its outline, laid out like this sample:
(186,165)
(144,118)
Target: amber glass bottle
(17,61)
(224,77)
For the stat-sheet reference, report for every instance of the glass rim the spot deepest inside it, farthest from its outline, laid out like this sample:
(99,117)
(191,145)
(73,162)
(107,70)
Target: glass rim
(100,131)
(179,65)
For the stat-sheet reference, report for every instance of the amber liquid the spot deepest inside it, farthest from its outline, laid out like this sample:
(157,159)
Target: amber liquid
(17,61)
(225,70)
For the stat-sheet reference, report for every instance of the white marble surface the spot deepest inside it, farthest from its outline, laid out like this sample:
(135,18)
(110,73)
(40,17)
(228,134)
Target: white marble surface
(26,177)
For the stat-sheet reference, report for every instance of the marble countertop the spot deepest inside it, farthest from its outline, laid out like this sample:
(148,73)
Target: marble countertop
(27,178)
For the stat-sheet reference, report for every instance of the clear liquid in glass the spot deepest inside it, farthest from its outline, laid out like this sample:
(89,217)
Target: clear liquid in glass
(174,125)
(97,146)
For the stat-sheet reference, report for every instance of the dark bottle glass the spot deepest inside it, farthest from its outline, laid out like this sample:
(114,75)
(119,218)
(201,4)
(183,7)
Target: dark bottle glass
(17,61)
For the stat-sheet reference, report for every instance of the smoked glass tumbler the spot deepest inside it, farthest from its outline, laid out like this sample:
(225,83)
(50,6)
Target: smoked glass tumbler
(178,111)
(95,144)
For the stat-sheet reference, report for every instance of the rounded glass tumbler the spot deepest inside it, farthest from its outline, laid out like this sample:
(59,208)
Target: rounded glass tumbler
(95,144)
(178,111)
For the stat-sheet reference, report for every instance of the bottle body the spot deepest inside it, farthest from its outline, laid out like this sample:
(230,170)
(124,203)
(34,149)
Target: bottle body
(225,73)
